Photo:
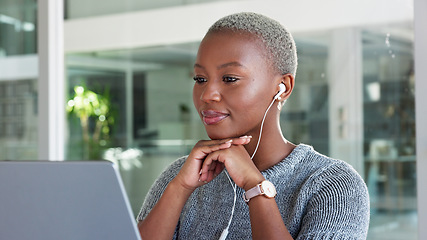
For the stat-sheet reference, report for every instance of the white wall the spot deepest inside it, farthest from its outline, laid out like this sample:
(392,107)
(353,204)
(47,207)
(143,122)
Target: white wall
(84,8)
(189,23)
(19,67)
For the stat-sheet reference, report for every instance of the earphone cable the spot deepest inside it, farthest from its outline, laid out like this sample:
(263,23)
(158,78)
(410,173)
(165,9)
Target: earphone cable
(260,131)
(225,231)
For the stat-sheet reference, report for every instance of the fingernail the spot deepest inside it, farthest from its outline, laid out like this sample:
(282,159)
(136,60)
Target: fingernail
(246,136)
(200,173)
(229,141)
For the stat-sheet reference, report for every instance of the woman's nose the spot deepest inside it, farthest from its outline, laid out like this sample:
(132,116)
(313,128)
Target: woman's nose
(211,92)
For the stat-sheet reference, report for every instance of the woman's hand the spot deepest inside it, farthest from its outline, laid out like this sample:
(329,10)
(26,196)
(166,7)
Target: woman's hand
(238,163)
(190,176)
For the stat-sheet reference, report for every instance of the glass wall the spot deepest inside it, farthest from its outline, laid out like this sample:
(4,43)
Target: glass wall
(151,120)
(18,80)
(305,119)
(18,20)
(353,100)
(389,131)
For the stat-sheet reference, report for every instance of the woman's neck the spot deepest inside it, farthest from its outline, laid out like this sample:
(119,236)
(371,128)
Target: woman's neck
(272,148)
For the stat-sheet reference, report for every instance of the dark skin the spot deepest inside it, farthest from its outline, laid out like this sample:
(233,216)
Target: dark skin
(234,86)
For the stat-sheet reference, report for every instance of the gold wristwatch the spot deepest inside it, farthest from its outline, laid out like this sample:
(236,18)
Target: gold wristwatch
(265,188)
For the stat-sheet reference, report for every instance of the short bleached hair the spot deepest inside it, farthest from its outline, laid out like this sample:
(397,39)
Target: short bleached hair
(279,43)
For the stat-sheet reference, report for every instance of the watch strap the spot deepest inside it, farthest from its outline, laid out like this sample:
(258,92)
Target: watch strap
(253,192)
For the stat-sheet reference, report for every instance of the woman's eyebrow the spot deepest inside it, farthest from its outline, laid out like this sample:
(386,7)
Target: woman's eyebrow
(225,65)
(196,65)
(230,64)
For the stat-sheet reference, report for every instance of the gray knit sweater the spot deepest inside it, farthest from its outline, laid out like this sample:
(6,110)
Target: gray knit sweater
(318,198)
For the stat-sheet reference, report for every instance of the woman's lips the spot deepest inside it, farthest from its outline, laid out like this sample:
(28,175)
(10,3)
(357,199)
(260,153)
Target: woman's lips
(212,117)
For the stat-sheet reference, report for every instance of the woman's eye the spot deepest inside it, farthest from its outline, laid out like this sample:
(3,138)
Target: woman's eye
(229,79)
(199,79)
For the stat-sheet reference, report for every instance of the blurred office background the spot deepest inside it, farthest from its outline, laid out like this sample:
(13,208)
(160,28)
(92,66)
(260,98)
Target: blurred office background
(128,89)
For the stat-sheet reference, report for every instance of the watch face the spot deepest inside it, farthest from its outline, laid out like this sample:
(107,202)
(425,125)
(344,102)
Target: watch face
(268,189)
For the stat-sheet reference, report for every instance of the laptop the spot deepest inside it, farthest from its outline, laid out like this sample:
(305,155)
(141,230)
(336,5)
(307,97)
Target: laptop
(45,200)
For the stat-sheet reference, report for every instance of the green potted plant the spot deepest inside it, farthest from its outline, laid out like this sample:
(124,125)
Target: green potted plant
(90,106)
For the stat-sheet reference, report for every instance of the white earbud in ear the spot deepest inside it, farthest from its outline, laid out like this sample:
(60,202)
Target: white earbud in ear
(282,90)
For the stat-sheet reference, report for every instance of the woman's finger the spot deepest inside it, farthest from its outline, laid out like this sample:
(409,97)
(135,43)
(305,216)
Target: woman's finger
(242,140)
(209,164)
(200,152)
(199,155)
(236,141)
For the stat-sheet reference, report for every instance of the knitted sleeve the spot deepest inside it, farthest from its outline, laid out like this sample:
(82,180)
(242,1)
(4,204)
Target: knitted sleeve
(159,187)
(339,207)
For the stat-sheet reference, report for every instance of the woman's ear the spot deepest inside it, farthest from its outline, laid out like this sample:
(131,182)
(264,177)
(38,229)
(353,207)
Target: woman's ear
(289,82)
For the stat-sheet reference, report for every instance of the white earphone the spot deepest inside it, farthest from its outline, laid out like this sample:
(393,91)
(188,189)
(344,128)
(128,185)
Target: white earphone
(282,90)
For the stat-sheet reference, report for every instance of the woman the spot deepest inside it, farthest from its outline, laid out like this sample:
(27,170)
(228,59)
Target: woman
(244,72)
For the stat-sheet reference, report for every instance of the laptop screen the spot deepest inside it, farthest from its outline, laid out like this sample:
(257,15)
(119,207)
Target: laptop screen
(64,200)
